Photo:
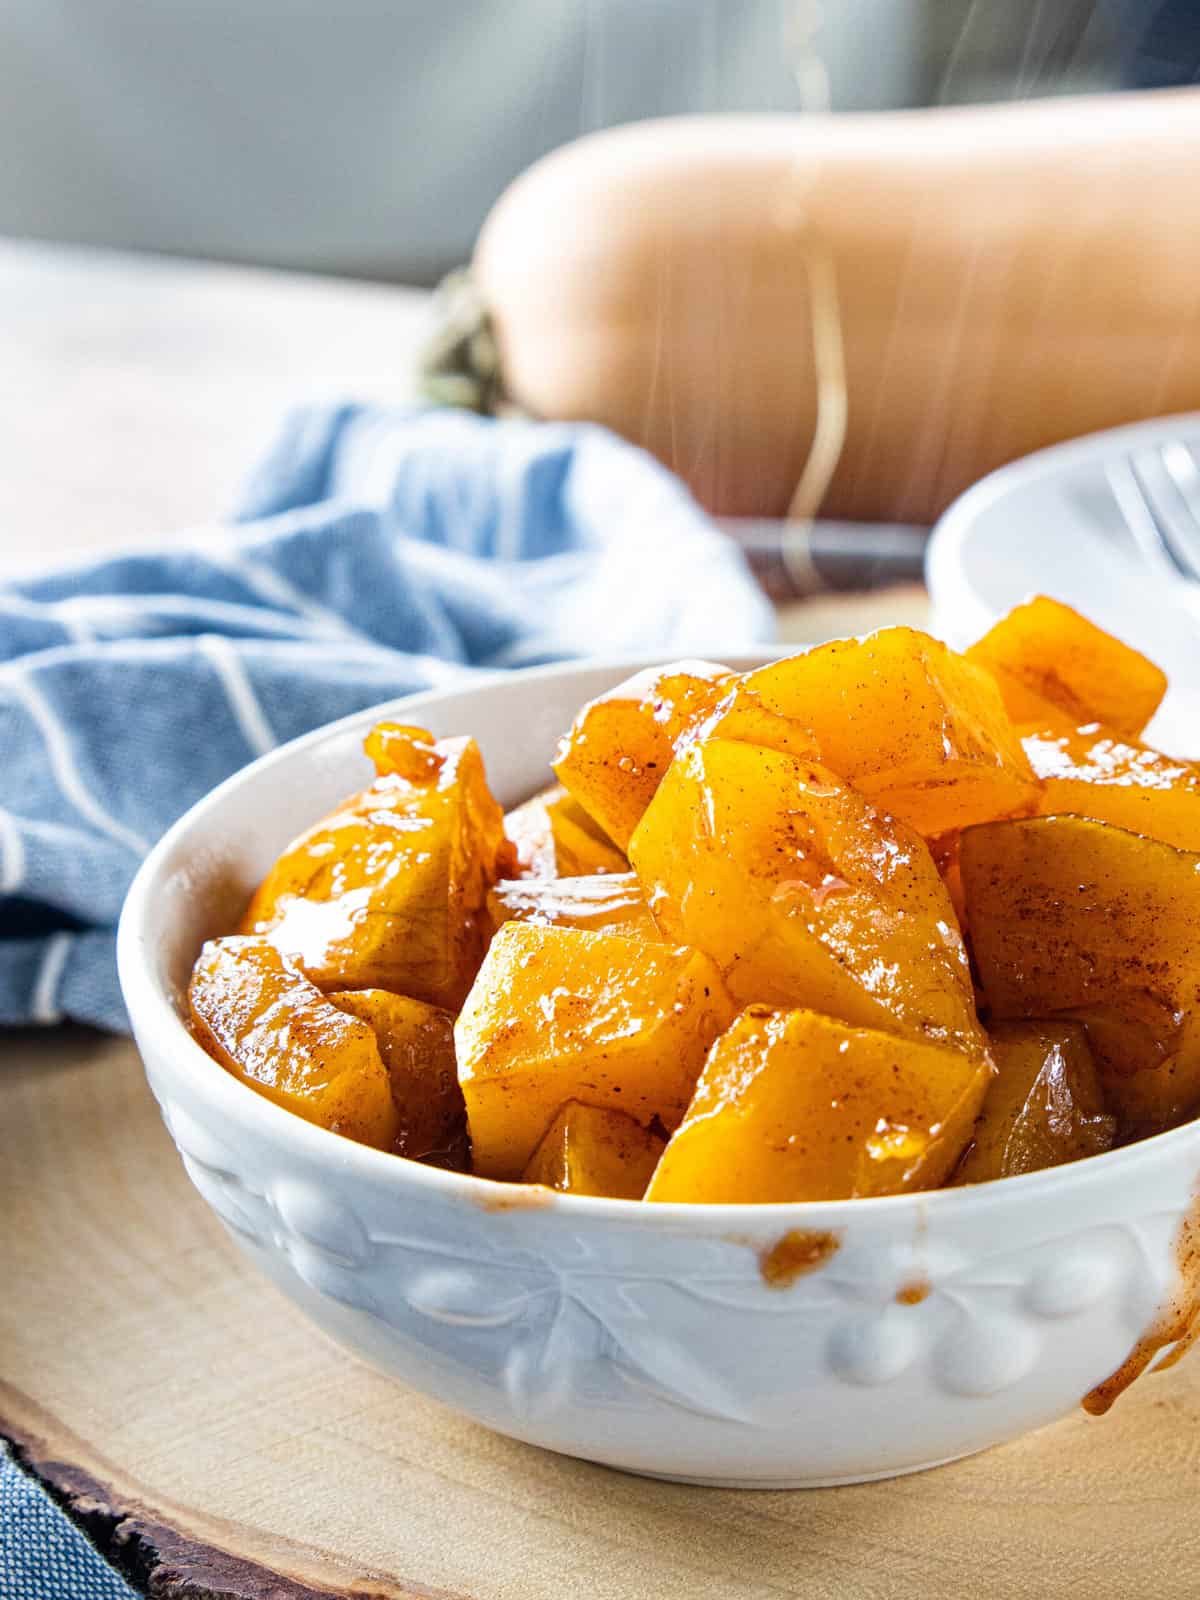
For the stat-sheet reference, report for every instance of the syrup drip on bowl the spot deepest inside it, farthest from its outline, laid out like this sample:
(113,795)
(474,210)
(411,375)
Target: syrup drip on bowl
(516,1197)
(797,1252)
(1176,1323)
(913,1292)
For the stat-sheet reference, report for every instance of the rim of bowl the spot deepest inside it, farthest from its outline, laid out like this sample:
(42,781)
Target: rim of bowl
(157,1013)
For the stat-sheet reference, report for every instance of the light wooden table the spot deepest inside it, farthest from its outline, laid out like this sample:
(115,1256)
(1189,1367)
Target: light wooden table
(134,391)
(206,1433)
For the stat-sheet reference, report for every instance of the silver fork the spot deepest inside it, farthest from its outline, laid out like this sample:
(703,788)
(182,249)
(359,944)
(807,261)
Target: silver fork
(1157,491)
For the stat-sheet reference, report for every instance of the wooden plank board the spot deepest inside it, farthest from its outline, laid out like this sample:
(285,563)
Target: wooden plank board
(226,1448)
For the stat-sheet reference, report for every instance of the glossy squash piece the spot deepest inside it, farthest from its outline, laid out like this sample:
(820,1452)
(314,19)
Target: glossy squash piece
(913,726)
(792,1105)
(1044,1107)
(610,901)
(527,829)
(1045,656)
(261,1018)
(581,847)
(1080,920)
(554,837)
(944,850)
(804,894)
(416,1043)
(595,1150)
(389,891)
(558,1014)
(1093,772)
(620,745)
(400,750)
(743,714)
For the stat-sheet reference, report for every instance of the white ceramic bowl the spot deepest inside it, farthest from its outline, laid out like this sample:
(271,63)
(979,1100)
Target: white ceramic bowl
(1051,522)
(642,1336)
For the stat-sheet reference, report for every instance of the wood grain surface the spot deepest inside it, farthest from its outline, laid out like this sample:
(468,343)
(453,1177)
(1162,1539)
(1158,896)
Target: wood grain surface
(136,391)
(222,1447)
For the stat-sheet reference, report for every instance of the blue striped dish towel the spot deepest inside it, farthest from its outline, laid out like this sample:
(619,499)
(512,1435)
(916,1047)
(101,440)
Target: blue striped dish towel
(374,552)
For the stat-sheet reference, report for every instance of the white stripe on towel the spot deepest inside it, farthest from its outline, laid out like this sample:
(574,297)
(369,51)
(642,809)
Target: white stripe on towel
(239,691)
(44,1001)
(220,546)
(58,748)
(75,629)
(12,854)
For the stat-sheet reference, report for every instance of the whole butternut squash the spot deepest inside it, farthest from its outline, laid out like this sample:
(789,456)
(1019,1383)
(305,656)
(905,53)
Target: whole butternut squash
(999,278)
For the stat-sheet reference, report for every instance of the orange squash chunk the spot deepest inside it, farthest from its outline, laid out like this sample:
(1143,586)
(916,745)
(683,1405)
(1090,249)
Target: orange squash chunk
(1094,772)
(1046,657)
(607,900)
(593,1150)
(792,1105)
(260,1017)
(580,846)
(916,728)
(804,894)
(416,1043)
(1080,920)
(558,1014)
(527,828)
(621,744)
(1044,1107)
(388,892)
(554,837)
(743,714)
(396,749)
(944,850)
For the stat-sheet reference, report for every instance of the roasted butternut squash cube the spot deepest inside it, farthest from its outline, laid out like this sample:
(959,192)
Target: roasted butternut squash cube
(916,728)
(944,850)
(1046,656)
(1144,1054)
(416,1043)
(558,1014)
(792,1105)
(1078,920)
(804,894)
(581,847)
(554,837)
(593,1150)
(1043,1108)
(260,1017)
(607,900)
(527,828)
(389,892)
(742,714)
(621,744)
(397,749)
(1094,772)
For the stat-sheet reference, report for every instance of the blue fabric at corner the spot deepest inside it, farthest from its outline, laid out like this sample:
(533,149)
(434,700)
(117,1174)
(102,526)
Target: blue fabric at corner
(43,1555)
(378,552)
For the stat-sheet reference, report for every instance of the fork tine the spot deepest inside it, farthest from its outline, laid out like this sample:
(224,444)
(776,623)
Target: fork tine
(1137,513)
(1180,462)
(1158,474)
